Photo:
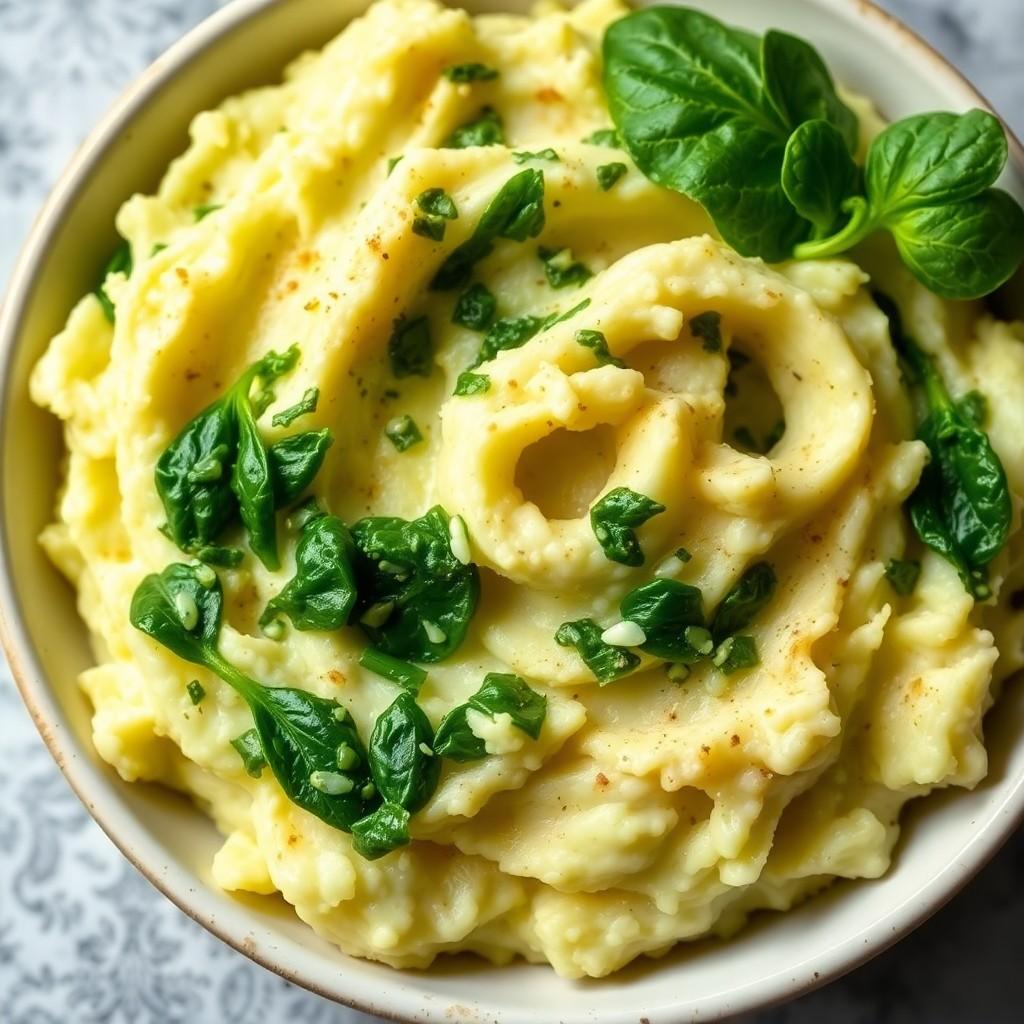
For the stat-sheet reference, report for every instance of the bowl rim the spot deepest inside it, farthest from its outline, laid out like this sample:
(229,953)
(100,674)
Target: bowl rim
(175,883)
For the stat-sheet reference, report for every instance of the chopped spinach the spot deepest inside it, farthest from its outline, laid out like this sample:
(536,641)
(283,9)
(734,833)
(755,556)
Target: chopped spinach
(561,270)
(609,174)
(751,592)
(475,308)
(306,405)
(410,350)
(598,344)
(484,130)
(604,660)
(614,518)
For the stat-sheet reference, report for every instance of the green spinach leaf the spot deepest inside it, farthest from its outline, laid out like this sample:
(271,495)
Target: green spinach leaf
(818,174)
(605,661)
(295,461)
(475,308)
(484,130)
(305,405)
(410,349)
(472,71)
(613,519)
(119,263)
(410,677)
(668,612)
(561,270)
(598,344)
(751,592)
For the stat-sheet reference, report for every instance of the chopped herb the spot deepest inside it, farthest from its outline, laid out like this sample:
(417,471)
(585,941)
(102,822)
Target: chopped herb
(196,691)
(613,519)
(507,333)
(974,407)
(540,154)
(598,344)
(473,71)
(475,308)
(393,162)
(557,318)
(204,211)
(157,249)
(471,384)
(683,555)
(410,349)
(708,327)
(407,675)
(402,432)
(671,614)
(741,604)
(250,750)
(604,137)
(303,407)
(561,270)
(119,263)
(484,130)
(609,174)
(429,227)
(604,660)
(516,212)
(500,694)
(736,653)
(437,207)
(902,575)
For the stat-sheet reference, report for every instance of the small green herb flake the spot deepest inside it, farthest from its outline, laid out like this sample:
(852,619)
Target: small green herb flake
(472,71)
(736,653)
(196,691)
(402,432)
(605,661)
(557,318)
(475,308)
(541,154)
(613,519)
(158,248)
(744,601)
(307,404)
(410,349)
(683,555)
(604,137)
(609,174)
(119,263)
(708,328)
(469,383)
(429,227)
(484,130)
(250,750)
(598,344)
(410,677)
(435,202)
(561,270)
(902,575)
(508,333)
(203,211)
(393,162)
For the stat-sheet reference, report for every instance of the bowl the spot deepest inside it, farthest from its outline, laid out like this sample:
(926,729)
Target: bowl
(947,837)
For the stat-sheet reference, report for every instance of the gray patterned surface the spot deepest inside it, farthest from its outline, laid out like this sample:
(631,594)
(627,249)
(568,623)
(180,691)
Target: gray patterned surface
(83,938)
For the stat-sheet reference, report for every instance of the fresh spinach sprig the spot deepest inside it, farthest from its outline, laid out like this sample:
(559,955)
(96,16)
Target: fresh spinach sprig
(310,743)
(961,507)
(752,129)
(219,469)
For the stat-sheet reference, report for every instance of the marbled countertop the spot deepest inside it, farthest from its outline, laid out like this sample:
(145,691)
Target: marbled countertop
(83,938)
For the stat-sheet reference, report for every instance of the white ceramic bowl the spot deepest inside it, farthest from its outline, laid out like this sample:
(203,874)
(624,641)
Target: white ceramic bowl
(947,838)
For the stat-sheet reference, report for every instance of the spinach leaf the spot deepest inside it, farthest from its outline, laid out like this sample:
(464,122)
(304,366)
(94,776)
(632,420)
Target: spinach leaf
(751,592)
(927,182)
(708,327)
(322,593)
(598,344)
(902,575)
(472,384)
(516,212)
(484,130)
(541,154)
(475,308)
(310,743)
(295,461)
(507,333)
(253,486)
(386,829)
(604,660)
(473,71)
(304,406)
(604,137)
(407,675)
(818,174)
(668,612)
(687,97)
(402,432)
(613,519)
(609,174)
(204,210)
(500,693)
(561,270)
(735,653)
(437,207)
(196,692)
(800,87)
(119,263)
(410,349)
(416,598)
(405,770)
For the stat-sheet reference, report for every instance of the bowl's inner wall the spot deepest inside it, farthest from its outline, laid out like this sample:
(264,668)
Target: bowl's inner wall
(173,840)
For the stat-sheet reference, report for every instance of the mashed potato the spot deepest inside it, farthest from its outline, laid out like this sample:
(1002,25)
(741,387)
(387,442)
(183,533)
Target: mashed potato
(651,810)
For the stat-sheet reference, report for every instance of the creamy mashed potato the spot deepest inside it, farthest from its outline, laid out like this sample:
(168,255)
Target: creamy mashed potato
(649,811)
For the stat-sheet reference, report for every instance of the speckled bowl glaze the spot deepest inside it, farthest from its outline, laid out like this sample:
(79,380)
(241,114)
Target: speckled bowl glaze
(947,837)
